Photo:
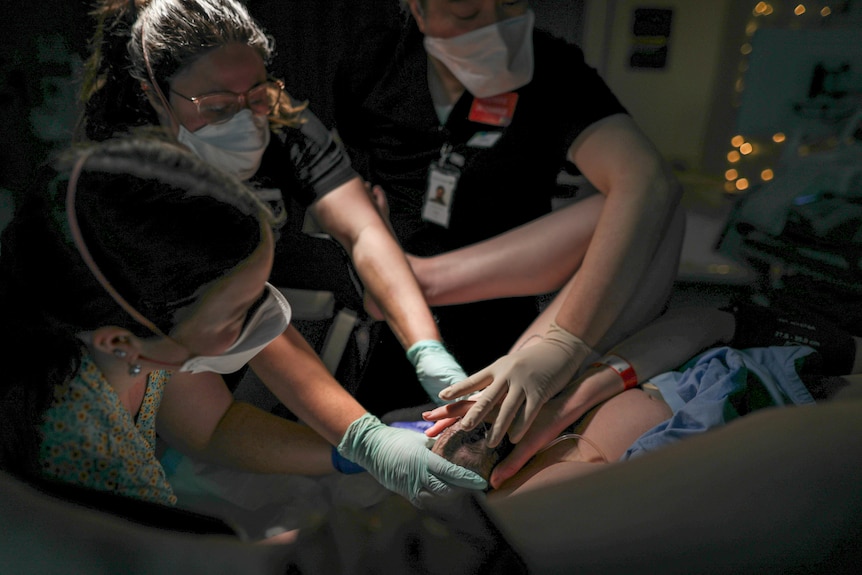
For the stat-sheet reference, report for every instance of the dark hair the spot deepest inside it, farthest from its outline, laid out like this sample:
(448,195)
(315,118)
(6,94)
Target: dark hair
(177,32)
(159,223)
(470,449)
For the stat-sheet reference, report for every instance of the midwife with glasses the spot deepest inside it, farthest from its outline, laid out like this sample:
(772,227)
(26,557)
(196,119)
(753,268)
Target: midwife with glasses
(196,71)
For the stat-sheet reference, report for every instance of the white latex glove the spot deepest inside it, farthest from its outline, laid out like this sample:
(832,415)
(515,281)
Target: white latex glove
(529,377)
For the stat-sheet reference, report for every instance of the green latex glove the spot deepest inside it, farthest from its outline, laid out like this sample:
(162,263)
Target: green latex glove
(435,367)
(401,461)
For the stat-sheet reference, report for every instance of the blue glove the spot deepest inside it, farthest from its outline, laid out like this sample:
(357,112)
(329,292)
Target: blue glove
(435,367)
(344,465)
(401,461)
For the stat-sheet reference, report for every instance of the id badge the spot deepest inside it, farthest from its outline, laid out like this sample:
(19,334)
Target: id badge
(442,181)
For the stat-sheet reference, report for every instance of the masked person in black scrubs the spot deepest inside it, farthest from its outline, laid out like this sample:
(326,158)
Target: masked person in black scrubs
(470,96)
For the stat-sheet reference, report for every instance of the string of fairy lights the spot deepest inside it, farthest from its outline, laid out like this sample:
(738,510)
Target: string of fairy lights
(750,159)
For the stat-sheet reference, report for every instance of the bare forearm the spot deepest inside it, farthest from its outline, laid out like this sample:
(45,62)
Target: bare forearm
(596,385)
(627,237)
(254,440)
(387,276)
(348,215)
(535,258)
(291,369)
(199,416)
(674,338)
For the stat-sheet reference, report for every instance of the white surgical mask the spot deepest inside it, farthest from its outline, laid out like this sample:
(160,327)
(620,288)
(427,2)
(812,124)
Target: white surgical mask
(235,146)
(490,60)
(268,322)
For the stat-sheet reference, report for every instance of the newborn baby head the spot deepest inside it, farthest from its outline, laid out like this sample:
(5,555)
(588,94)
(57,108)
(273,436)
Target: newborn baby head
(470,448)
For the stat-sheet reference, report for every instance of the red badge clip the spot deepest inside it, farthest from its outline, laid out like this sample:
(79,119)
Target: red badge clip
(495,111)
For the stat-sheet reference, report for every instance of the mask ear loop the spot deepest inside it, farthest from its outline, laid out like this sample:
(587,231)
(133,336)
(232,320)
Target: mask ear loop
(161,95)
(78,239)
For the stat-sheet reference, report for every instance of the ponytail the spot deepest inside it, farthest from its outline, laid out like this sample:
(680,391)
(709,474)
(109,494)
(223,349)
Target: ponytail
(112,100)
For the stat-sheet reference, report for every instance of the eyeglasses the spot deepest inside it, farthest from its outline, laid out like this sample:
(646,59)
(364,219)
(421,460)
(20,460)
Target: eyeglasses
(219,107)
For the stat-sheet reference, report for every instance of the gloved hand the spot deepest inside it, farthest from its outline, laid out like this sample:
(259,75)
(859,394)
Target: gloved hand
(530,376)
(435,367)
(400,460)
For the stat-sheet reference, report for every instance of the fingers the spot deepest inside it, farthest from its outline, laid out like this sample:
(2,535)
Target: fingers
(520,455)
(484,404)
(439,426)
(508,410)
(454,475)
(454,409)
(475,382)
(522,421)
(547,427)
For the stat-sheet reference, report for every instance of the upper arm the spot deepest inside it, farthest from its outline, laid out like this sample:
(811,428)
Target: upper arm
(191,409)
(614,151)
(346,211)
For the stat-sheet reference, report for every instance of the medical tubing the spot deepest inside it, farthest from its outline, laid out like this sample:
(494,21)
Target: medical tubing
(576,436)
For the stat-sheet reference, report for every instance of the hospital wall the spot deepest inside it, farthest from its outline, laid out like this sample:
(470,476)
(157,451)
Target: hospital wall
(675,103)
(690,106)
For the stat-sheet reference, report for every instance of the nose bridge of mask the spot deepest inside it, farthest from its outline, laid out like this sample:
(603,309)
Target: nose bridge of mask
(267,323)
(236,146)
(244,132)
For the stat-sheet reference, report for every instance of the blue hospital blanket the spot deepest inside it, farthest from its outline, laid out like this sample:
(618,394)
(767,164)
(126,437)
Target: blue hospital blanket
(723,384)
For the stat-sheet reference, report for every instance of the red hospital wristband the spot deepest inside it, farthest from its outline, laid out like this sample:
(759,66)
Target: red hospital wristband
(623,368)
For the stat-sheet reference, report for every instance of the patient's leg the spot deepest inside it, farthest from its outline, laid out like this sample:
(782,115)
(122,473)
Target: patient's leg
(601,436)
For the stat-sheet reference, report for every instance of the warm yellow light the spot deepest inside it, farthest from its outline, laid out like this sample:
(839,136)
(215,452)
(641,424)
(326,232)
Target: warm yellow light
(731,174)
(746,149)
(737,141)
(733,156)
(799,10)
(742,184)
(739,86)
(767,175)
(745,49)
(750,28)
(768,10)
(760,8)
(778,137)
(825,11)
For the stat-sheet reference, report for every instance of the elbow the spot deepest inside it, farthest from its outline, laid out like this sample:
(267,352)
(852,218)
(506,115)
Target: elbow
(667,186)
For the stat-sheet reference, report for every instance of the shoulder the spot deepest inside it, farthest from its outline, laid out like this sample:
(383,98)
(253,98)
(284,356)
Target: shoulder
(309,136)
(545,40)
(551,50)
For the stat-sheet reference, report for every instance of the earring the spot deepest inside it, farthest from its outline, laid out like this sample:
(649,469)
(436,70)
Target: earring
(121,353)
(134,368)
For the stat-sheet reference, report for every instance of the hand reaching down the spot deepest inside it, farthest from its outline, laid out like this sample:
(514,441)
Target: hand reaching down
(520,383)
